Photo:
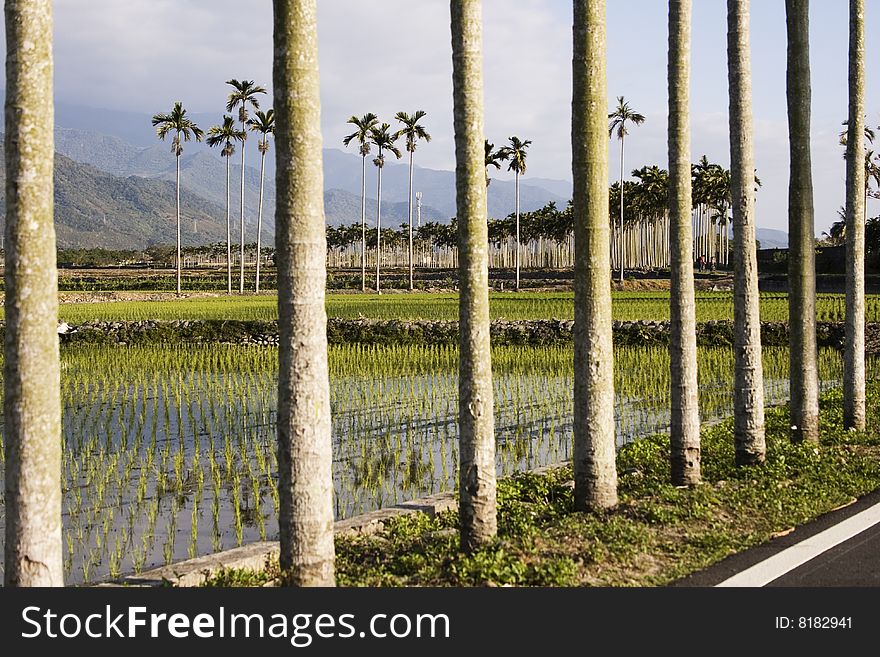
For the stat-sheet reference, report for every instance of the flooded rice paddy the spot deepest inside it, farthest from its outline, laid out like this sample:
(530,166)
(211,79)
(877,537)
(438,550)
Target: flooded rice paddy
(169,451)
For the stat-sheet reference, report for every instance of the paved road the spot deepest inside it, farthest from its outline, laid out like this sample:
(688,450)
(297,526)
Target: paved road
(855,562)
(841,548)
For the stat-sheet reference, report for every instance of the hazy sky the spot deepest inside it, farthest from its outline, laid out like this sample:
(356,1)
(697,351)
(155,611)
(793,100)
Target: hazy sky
(389,55)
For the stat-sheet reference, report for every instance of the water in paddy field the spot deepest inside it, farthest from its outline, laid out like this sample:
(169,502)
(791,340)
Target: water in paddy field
(169,452)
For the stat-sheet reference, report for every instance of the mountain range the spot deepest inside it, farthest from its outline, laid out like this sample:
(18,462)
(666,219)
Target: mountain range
(115,186)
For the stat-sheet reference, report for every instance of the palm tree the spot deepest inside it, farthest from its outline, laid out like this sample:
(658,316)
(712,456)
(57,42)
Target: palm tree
(748,393)
(595,471)
(515,152)
(493,158)
(477,506)
(804,405)
(856,197)
(383,141)
(305,459)
(264,124)
(31,371)
(178,123)
(244,93)
(226,134)
(413,132)
(619,118)
(684,430)
(361,135)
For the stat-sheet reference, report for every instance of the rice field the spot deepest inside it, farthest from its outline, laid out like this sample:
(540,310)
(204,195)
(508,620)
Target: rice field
(629,306)
(169,451)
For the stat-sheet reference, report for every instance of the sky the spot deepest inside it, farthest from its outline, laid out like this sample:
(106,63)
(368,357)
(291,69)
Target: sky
(384,56)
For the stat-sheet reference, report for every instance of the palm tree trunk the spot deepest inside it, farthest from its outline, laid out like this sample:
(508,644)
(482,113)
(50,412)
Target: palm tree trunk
(228,235)
(177,196)
(748,392)
(621,256)
(854,347)
(477,509)
(363,223)
(260,221)
(595,470)
(241,226)
(410,221)
(801,268)
(518,245)
(305,476)
(31,372)
(684,432)
(378,224)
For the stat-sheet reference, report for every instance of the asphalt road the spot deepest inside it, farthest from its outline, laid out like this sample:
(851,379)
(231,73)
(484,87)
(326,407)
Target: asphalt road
(855,562)
(852,562)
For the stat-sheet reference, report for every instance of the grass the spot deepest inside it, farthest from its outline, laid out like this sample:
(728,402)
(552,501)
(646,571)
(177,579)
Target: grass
(658,533)
(630,306)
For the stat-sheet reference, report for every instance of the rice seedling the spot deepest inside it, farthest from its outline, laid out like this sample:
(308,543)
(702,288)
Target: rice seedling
(149,431)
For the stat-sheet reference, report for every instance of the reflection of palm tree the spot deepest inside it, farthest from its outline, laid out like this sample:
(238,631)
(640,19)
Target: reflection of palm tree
(515,153)
(383,141)
(244,93)
(263,123)
(226,134)
(182,126)
(413,131)
(622,115)
(361,135)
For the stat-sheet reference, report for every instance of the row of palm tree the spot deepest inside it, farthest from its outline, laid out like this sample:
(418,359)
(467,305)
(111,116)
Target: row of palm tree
(244,94)
(370,132)
(32,428)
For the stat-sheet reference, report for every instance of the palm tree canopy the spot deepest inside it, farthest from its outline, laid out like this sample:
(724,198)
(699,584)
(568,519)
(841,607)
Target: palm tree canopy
(177,122)
(411,129)
(384,140)
(622,115)
(264,124)
(493,157)
(244,93)
(516,153)
(361,135)
(226,134)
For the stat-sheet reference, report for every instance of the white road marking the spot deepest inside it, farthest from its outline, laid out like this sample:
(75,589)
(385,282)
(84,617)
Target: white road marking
(790,558)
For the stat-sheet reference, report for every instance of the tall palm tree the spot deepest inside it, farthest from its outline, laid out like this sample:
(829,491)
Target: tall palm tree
(515,153)
(180,125)
(413,131)
(477,507)
(856,189)
(305,460)
(31,370)
(226,134)
(804,405)
(264,124)
(684,431)
(244,93)
(748,392)
(361,135)
(493,158)
(595,470)
(383,140)
(620,117)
